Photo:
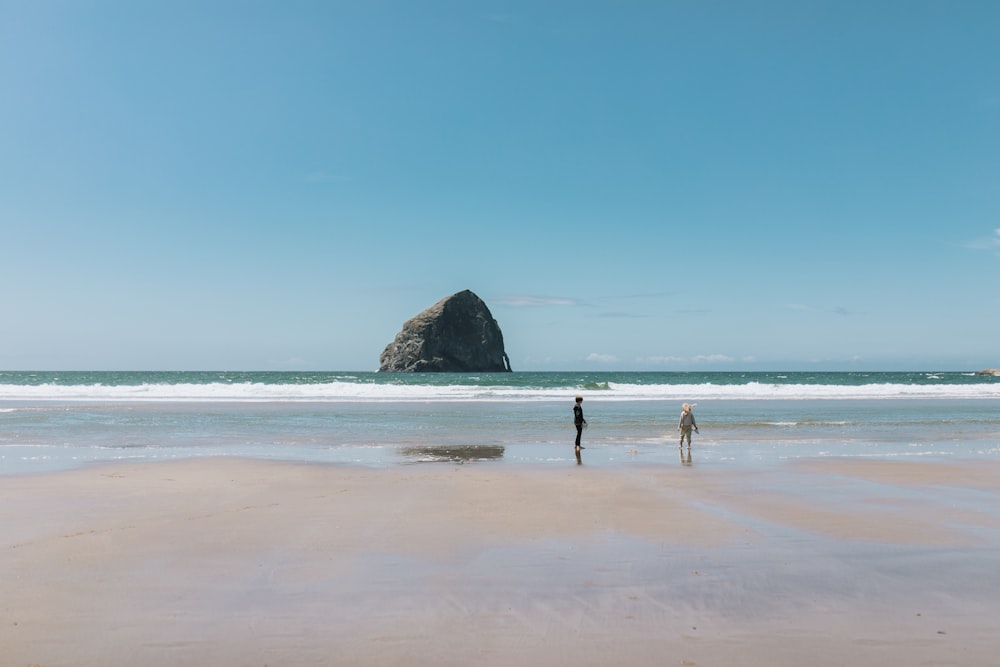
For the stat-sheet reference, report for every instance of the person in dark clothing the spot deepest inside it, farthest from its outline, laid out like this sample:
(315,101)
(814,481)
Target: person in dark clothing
(579,421)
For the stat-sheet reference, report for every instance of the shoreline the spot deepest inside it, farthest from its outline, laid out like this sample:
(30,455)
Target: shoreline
(249,562)
(748,434)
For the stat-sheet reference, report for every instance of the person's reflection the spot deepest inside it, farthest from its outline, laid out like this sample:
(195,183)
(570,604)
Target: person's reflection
(455,453)
(686,460)
(579,459)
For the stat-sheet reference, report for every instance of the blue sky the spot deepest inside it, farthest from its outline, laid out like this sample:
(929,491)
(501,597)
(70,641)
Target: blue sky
(674,185)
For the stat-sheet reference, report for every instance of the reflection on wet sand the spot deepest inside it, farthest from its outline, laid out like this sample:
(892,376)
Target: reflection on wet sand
(686,460)
(454,453)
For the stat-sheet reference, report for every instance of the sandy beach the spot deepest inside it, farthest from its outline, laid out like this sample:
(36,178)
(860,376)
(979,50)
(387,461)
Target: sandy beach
(234,562)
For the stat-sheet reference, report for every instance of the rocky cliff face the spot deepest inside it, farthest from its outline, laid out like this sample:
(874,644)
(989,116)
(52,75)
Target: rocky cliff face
(456,335)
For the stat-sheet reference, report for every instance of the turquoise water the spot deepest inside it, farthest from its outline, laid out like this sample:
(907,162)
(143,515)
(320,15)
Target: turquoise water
(60,420)
(356,383)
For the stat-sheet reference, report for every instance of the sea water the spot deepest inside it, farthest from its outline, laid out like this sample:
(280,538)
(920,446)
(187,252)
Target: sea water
(61,420)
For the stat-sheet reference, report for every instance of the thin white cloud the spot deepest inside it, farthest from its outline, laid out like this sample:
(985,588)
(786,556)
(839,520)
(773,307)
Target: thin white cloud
(696,359)
(658,360)
(530,301)
(639,295)
(802,308)
(990,243)
(537,301)
(711,358)
(619,315)
(602,358)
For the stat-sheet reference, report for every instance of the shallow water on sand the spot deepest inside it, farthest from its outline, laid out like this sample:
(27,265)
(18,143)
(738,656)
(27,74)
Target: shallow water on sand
(39,436)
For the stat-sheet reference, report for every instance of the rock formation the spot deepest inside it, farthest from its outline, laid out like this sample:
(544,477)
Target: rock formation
(989,371)
(456,335)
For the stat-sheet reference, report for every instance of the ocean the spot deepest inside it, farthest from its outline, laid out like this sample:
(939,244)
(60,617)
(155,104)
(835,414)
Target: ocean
(61,420)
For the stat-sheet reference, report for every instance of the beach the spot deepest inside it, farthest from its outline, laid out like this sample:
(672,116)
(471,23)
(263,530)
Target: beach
(233,561)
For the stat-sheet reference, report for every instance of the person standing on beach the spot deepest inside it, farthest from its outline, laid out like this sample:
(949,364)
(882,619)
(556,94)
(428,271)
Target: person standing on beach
(687,423)
(579,421)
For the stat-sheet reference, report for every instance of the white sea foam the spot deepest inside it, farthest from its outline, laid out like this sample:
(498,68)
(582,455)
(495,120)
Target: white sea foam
(387,392)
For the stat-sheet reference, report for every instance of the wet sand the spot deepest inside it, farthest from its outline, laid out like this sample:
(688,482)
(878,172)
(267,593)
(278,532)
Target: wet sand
(241,562)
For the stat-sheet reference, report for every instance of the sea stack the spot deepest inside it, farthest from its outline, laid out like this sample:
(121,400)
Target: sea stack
(456,335)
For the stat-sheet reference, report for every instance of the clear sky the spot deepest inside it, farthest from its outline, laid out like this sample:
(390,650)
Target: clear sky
(672,185)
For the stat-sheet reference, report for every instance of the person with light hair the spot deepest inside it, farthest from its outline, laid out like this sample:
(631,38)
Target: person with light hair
(686,424)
